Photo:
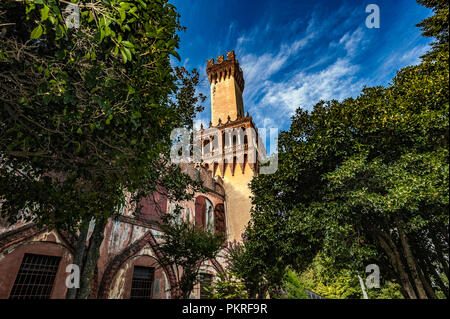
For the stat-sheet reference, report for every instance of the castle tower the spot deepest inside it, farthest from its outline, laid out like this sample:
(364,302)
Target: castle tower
(227,86)
(230,144)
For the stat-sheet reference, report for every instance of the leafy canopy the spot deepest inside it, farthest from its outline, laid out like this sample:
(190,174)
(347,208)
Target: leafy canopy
(88,107)
(362,181)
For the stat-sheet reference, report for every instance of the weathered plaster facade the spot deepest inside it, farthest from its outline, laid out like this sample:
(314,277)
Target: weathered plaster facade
(130,240)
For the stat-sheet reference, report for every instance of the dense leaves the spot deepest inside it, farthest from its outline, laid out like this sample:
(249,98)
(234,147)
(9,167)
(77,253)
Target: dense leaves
(343,284)
(227,286)
(185,247)
(364,181)
(81,122)
(88,101)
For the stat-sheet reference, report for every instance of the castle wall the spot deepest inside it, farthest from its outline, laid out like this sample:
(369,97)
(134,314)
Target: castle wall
(238,202)
(226,100)
(130,240)
(45,243)
(227,84)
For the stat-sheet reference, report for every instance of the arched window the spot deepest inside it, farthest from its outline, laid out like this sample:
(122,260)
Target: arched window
(204,215)
(219,219)
(209,216)
(200,211)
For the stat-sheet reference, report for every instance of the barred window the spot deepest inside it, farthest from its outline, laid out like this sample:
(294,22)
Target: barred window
(205,282)
(36,277)
(141,286)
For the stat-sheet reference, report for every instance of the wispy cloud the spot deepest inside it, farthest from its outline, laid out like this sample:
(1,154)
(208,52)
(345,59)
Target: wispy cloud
(352,40)
(397,60)
(302,52)
(280,80)
(304,90)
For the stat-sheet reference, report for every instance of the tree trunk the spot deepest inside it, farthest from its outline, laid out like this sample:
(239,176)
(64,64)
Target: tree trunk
(186,294)
(433,272)
(187,282)
(91,258)
(439,249)
(404,293)
(397,264)
(426,283)
(412,266)
(79,254)
(262,292)
(252,293)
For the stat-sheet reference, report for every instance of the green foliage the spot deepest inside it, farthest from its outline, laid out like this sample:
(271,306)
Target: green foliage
(343,284)
(387,290)
(362,181)
(436,26)
(227,286)
(243,264)
(185,247)
(87,110)
(293,286)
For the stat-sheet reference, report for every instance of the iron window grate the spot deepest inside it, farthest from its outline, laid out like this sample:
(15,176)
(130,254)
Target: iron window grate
(205,282)
(36,277)
(141,286)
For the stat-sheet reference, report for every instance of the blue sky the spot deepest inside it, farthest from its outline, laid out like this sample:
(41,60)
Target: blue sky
(297,52)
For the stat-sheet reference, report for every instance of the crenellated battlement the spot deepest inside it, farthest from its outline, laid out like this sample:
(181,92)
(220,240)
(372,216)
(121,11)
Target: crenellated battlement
(224,69)
(231,146)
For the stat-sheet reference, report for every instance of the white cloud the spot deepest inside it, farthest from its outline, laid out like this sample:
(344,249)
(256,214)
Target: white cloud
(257,68)
(399,60)
(260,68)
(352,40)
(299,88)
(276,83)
(304,90)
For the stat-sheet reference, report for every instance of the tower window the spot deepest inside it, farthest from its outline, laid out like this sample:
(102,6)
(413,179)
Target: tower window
(141,286)
(36,277)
